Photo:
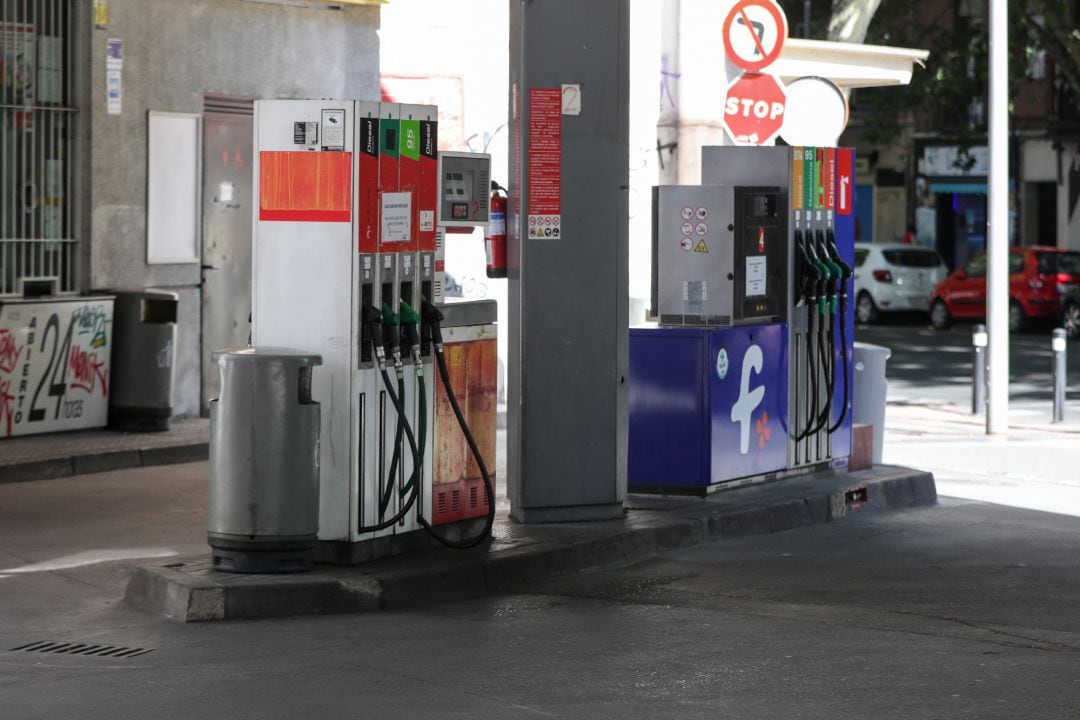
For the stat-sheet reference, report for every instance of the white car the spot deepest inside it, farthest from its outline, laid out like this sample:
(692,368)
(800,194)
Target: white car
(891,277)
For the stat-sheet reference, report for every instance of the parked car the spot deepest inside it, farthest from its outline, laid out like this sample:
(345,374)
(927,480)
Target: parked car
(1070,312)
(1037,278)
(893,277)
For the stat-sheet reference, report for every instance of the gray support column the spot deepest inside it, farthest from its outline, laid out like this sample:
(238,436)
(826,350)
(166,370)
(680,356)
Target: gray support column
(568,366)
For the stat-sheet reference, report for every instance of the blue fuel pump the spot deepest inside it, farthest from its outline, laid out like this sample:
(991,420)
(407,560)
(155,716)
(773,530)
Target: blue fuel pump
(745,376)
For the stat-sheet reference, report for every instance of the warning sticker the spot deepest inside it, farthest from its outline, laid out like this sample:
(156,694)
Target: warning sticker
(305,133)
(427,220)
(545,158)
(701,247)
(333,129)
(545,226)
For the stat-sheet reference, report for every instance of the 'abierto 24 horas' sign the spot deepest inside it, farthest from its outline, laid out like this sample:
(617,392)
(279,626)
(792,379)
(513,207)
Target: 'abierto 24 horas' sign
(54,365)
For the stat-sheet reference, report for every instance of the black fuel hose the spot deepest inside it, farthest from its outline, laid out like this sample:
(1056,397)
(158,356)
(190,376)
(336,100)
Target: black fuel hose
(432,318)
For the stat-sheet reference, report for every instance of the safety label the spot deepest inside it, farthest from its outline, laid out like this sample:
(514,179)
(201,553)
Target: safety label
(701,247)
(545,226)
(333,129)
(305,133)
(686,244)
(545,162)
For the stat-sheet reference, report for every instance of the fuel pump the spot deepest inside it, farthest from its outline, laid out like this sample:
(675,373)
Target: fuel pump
(746,374)
(346,267)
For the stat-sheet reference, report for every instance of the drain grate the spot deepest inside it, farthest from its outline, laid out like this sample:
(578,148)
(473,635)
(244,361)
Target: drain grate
(111,651)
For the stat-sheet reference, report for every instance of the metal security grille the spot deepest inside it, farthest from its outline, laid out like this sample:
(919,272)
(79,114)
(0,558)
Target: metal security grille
(37,237)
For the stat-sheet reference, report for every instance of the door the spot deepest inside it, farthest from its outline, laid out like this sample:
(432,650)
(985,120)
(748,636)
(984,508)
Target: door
(966,294)
(226,262)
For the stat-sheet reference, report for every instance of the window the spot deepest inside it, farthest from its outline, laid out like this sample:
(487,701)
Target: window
(976,267)
(860,256)
(1051,263)
(37,126)
(1016,263)
(913,258)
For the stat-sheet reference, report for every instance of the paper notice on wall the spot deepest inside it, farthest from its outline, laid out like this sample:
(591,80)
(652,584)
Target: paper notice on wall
(396,216)
(114,91)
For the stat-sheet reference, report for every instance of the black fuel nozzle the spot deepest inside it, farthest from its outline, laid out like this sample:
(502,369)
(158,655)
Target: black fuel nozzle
(432,318)
(830,239)
(372,318)
(410,334)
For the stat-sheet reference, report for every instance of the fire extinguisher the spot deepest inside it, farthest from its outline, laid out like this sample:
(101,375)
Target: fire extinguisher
(495,233)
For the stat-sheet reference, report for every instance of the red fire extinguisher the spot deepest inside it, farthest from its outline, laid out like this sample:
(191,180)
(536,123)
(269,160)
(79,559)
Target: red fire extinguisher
(495,233)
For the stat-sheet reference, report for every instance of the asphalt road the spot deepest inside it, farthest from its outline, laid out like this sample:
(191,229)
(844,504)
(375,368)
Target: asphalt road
(937,363)
(962,610)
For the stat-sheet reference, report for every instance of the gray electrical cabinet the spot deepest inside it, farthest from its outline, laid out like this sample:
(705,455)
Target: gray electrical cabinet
(719,255)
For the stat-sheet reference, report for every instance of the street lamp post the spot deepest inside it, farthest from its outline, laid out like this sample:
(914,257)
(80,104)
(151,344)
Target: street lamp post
(997,276)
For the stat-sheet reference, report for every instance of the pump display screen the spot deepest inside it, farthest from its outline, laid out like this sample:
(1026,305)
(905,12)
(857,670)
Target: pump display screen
(457,186)
(761,205)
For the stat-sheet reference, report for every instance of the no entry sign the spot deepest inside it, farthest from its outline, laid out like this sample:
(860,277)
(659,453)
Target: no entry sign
(754,34)
(754,109)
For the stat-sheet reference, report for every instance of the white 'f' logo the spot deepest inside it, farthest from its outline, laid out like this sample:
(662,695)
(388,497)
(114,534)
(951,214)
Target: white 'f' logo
(748,401)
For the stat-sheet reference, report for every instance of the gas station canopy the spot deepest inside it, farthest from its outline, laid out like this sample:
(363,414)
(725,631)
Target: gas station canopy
(847,65)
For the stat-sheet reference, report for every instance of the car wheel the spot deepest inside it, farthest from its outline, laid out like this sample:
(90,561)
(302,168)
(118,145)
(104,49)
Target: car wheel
(865,309)
(939,315)
(1017,318)
(1070,320)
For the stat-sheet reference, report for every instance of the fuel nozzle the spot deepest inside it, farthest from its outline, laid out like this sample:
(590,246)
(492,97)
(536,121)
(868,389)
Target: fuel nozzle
(432,318)
(410,334)
(835,272)
(392,334)
(372,317)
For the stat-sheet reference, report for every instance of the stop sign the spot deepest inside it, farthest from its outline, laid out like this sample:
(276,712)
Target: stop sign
(754,109)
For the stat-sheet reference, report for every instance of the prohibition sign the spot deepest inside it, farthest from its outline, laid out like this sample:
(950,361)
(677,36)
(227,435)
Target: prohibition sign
(761,21)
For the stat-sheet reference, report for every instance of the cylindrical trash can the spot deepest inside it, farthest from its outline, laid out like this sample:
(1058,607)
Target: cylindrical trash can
(264,462)
(868,391)
(143,367)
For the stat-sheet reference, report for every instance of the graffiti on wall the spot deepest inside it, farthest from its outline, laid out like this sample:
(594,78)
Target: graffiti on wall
(54,366)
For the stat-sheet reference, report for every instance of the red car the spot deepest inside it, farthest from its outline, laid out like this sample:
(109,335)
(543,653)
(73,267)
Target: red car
(1037,277)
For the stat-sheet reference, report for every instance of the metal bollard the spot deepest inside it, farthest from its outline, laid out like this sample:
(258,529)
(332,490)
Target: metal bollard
(1057,345)
(978,369)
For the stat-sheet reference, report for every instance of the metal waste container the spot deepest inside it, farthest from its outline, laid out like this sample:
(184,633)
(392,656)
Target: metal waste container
(143,354)
(264,462)
(868,396)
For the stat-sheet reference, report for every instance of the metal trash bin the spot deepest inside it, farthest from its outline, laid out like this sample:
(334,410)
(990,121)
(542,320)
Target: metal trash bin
(143,360)
(868,391)
(264,462)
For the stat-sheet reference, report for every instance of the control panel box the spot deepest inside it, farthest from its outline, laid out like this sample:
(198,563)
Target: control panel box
(464,198)
(693,259)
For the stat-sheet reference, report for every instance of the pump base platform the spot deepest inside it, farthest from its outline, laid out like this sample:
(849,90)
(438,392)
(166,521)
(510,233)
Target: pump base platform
(522,555)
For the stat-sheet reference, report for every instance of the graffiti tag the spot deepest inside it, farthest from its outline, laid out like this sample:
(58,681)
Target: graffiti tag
(93,321)
(88,371)
(6,407)
(9,351)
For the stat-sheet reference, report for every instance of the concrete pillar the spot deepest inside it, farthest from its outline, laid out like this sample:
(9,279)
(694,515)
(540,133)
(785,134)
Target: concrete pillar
(567,393)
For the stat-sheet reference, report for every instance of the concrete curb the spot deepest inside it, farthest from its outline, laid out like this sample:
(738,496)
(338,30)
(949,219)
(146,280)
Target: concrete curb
(193,592)
(83,464)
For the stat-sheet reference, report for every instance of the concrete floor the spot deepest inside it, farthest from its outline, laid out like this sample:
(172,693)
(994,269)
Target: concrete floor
(961,610)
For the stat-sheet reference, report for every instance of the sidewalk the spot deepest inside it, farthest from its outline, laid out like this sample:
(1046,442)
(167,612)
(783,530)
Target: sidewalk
(39,457)
(1036,465)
